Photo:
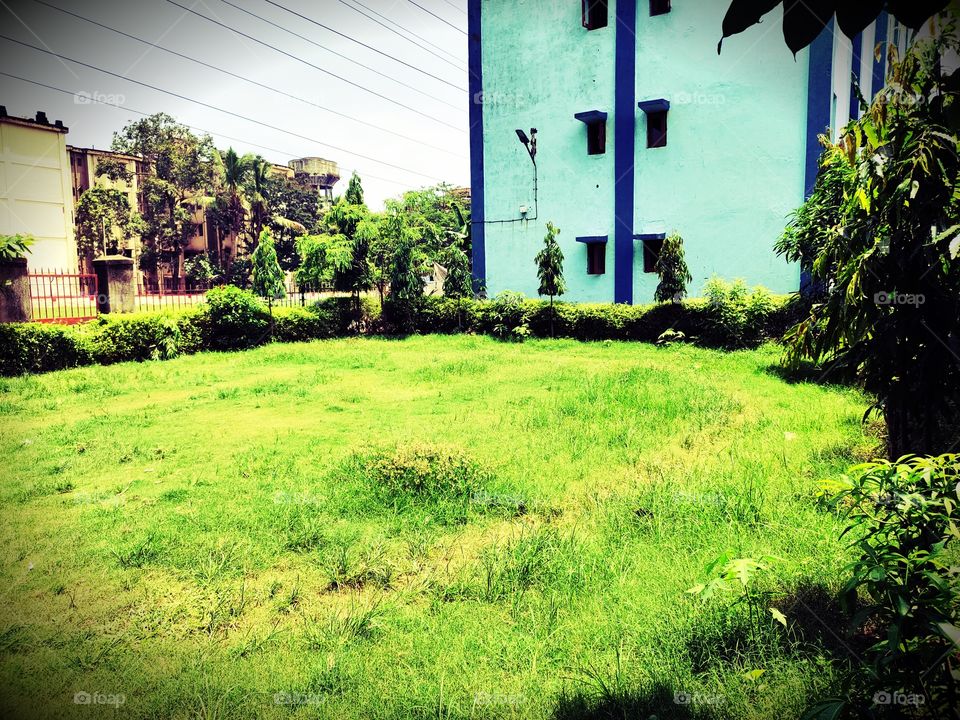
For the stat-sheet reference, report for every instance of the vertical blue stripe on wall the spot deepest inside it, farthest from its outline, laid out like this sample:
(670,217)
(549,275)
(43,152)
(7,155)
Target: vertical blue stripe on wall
(857,64)
(880,65)
(625,118)
(819,99)
(477,210)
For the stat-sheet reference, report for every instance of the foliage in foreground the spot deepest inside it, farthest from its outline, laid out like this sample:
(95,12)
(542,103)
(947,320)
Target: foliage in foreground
(904,589)
(881,236)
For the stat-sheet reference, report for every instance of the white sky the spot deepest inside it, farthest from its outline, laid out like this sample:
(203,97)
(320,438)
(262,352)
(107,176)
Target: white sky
(161,22)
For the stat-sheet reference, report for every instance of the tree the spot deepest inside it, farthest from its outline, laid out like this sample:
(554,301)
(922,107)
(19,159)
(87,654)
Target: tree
(267,275)
(804,20)
(550,269)
(350,224)
(178,176)
(256,190)
(354,194)
(406,283)
(104,222)
(671,267)
(296,212)
(888,253)
(459,283)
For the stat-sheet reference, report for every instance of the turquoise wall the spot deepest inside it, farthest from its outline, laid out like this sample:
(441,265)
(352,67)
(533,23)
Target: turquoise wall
(731,173)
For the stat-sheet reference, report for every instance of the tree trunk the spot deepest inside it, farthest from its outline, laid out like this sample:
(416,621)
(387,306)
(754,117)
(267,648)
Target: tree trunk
(551,317)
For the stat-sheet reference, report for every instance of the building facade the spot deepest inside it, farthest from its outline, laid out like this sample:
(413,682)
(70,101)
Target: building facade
(84,167)
(620,123)
(36,196)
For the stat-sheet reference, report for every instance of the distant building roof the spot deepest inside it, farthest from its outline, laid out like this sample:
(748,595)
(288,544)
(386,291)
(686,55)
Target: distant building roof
(108,153)
(40,121)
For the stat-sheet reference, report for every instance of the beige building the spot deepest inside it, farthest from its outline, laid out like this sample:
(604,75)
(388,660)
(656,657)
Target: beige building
(36,197)
(83,171)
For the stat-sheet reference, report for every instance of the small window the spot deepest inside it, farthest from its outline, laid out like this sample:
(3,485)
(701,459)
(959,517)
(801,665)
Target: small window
(596,138)
(659,7)
(596,258)
(594,14)
(651,253)
(657,129)
(596,122)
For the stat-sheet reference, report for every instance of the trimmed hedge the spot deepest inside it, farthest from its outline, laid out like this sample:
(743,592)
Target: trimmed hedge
(732,317)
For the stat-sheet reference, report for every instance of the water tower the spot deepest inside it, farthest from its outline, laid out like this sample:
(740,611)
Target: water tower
(319,174)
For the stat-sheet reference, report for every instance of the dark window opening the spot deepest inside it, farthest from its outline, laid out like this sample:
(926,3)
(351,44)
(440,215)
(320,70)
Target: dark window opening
(651,253)
(596,138)
(596,258)
(594,14)
(657,129)
(659,7)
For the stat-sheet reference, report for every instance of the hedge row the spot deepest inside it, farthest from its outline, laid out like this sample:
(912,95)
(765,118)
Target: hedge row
(233,319)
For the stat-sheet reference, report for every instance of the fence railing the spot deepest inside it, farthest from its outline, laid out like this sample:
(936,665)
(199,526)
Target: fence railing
(151,297)
(60,297)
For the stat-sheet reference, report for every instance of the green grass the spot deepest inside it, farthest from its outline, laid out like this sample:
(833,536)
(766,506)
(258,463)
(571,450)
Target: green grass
(219,536)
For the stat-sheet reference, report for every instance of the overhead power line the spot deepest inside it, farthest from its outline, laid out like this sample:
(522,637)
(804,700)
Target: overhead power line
(348,58)
(405,29)
(352,39)
(219,109)
(316,67)
(251,143)
(438,17)
(455,7)
(246,79)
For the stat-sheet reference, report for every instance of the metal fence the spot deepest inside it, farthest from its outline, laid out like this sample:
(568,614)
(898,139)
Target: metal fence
(61,297)
(153,298)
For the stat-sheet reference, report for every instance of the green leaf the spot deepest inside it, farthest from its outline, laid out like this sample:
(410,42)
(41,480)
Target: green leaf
(778,616)
(829,709)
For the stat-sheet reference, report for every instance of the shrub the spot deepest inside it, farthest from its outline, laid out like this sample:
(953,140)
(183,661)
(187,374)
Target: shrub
(35,348)
(507,316)
(236,319)
(141,336)
(304,324)
(735,316)
(905,514)
(426,472)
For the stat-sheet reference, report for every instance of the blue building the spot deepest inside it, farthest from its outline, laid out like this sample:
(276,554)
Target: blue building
(620,123)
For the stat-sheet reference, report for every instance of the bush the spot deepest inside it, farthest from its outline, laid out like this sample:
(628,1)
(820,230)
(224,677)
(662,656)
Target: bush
(35,348)
(232,319)
(141,336)
(426,472)
(304,324)
(904,515)
(235,319)
(736,316)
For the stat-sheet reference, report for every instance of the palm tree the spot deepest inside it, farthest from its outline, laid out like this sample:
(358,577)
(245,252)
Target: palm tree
(229,208)
(257,195)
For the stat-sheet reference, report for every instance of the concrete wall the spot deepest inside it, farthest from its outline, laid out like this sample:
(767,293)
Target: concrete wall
(35,192)
(731,173)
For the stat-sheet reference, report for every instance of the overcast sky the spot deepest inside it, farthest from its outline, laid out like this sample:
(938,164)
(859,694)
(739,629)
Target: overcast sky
(436,112)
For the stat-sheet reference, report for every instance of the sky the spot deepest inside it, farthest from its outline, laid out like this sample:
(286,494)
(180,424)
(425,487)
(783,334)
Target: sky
(349,80)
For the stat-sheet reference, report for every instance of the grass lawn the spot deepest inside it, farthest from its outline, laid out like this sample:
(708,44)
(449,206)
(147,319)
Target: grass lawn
(210,536)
